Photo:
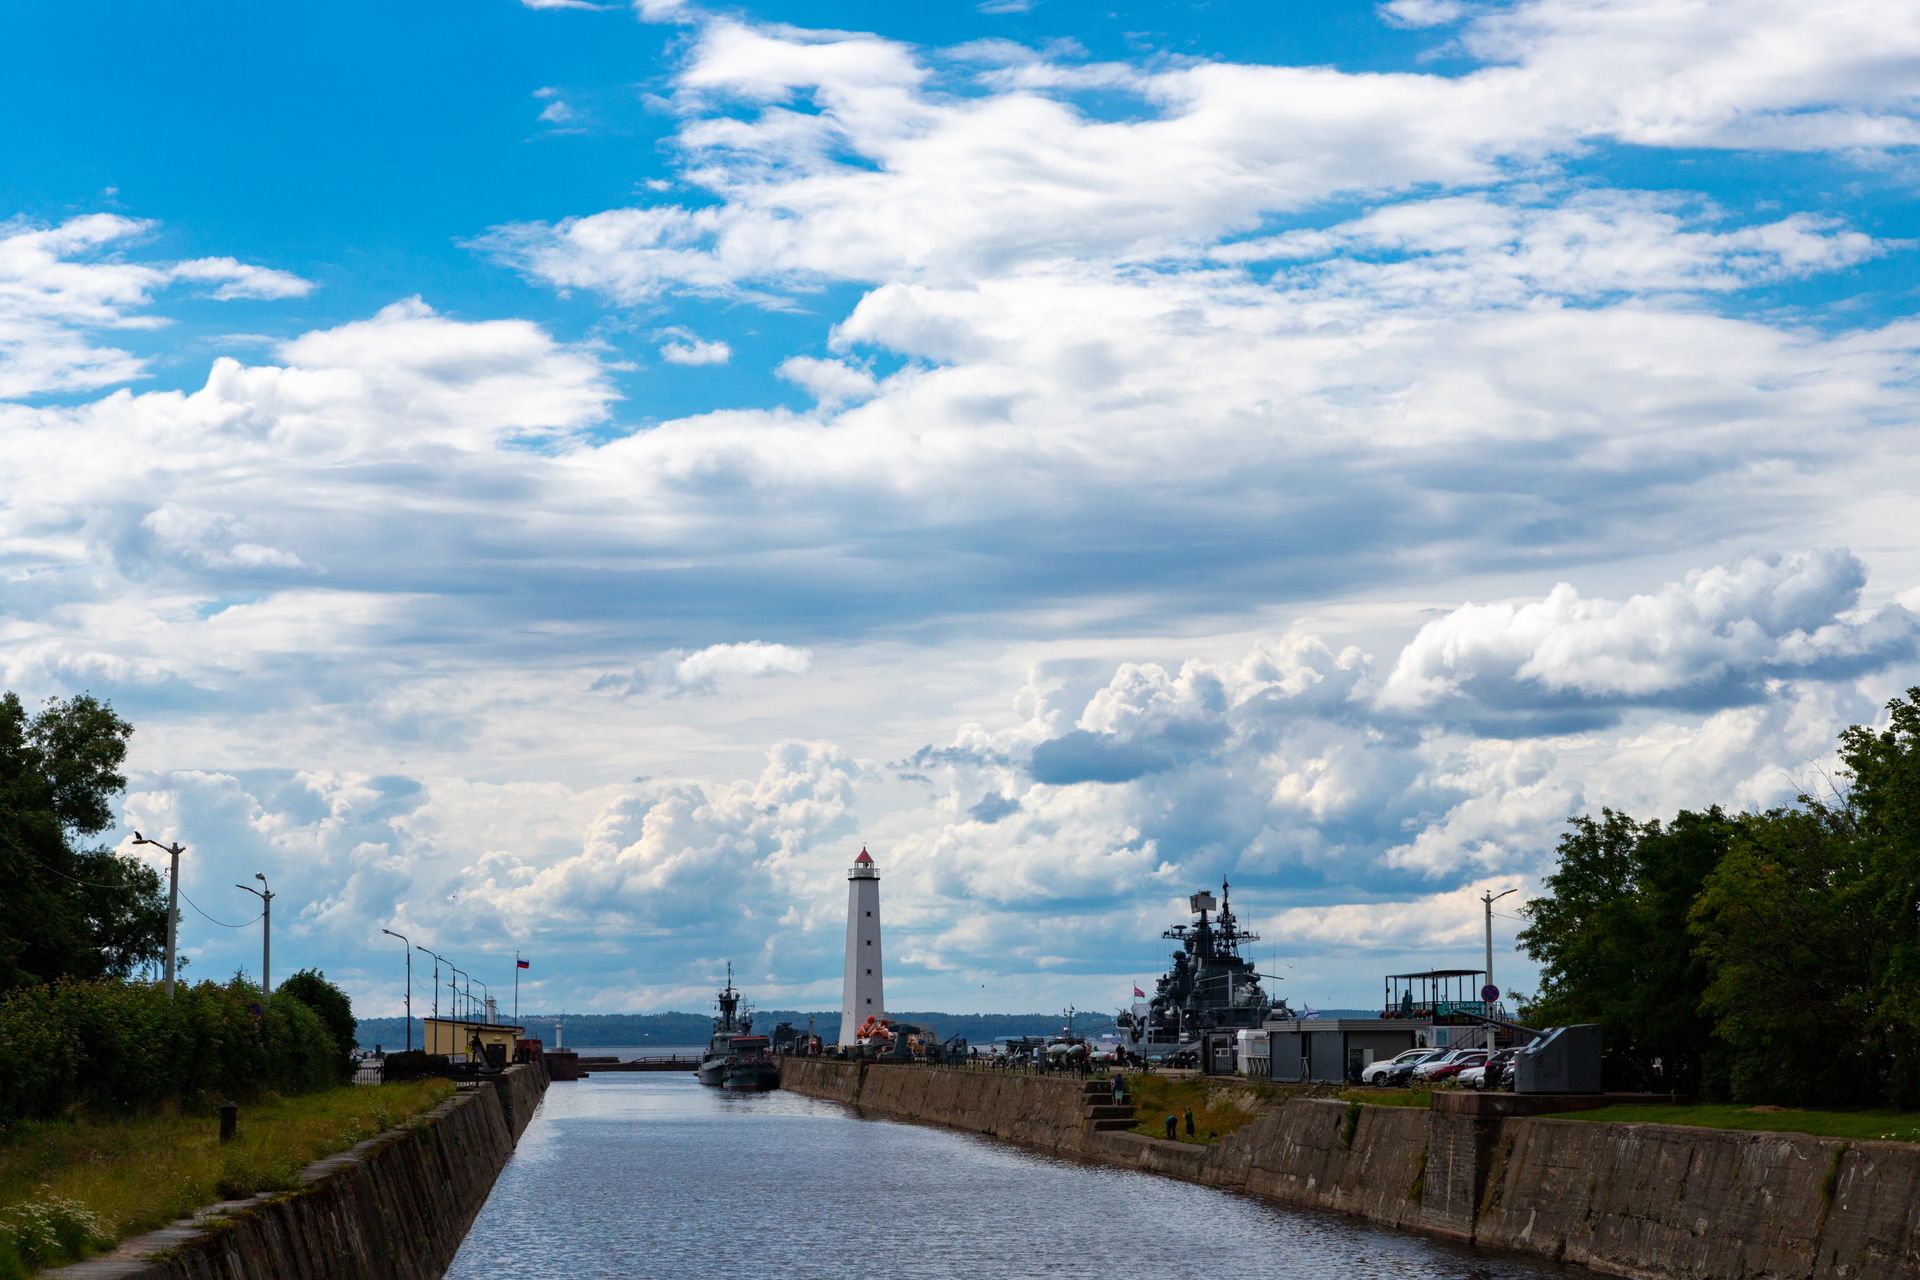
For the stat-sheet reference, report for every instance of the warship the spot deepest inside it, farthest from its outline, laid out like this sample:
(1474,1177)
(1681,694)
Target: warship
(1211,986)
(734,1020)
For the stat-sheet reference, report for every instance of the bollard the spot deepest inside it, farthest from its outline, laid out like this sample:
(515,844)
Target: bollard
(229,1122)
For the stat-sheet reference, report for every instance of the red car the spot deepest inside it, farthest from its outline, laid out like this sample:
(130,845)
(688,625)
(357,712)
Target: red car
(1477,1058)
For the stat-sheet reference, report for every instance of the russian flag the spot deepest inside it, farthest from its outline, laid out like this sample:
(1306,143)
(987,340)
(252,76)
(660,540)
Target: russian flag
(523,964)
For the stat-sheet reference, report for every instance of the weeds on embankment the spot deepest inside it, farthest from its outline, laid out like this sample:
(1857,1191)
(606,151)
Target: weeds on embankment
(1894,1126)
(72,1187)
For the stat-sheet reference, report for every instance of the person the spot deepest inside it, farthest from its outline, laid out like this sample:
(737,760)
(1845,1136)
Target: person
(1189,1122)
(1173,1126)
(1119,1091)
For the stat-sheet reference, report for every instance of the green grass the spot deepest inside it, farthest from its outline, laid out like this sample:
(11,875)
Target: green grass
(71,1187)
(1411,1096)
(1218,1107)
(1900,1126)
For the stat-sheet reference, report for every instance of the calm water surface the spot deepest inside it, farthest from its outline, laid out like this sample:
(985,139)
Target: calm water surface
(654,1175)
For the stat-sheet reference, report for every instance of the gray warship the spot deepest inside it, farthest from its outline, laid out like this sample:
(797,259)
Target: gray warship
(734,1020)
(1211,986)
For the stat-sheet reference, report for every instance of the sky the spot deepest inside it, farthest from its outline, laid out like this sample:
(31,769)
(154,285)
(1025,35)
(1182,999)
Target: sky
(562,477)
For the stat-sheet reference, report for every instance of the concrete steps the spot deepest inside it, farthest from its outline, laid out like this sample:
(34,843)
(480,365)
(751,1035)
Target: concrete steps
(1111,1111)
(1115,1125)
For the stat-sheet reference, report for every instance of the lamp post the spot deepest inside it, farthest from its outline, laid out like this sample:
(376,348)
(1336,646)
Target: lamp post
(174,851)
(486,1002)
(1489,897)
(407,948)
(453,983)
(436,980)
(266,937)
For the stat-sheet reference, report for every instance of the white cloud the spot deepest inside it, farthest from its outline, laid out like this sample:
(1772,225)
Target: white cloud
(556,112)
(61,285)
(1715,637)
(685,347)
(831,382)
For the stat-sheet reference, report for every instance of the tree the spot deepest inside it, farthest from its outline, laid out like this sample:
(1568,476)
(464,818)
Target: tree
(311,988)
(68,911)
(1613,947)
(1779,926)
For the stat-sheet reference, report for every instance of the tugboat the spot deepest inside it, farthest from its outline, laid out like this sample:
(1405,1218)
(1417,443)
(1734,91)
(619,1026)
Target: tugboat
(750,1067)
(1210,986)
(733,1021)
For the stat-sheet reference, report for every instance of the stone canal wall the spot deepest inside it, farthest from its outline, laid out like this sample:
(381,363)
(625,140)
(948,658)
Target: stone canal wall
(396,1207)
(1656,1202)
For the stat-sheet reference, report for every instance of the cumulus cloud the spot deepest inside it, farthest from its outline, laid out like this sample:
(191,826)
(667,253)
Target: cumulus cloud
(708,670)
(1713,639)
(685,347)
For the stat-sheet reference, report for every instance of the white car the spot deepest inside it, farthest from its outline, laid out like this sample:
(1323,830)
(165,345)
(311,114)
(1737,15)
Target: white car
(1425,1070)
(1376,1072)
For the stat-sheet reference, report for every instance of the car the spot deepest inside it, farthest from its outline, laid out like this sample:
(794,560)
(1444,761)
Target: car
(1424,1071)
(1476,1077)
(1374,1072)
(1400,1072)
(1456,1064)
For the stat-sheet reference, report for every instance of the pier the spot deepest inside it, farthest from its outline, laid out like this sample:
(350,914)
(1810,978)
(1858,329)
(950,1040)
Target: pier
(607,1062)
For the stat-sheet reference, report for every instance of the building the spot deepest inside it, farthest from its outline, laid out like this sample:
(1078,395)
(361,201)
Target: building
(861,994)
(454,1037)
(1329,1050)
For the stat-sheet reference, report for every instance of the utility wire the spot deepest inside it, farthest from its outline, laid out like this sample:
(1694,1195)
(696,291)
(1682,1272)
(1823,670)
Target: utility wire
(46,866)
(222,923)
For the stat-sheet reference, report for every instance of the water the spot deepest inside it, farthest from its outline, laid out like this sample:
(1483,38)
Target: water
(654,1175)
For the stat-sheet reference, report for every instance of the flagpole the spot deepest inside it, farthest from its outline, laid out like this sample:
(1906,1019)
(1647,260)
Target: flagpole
(516,988)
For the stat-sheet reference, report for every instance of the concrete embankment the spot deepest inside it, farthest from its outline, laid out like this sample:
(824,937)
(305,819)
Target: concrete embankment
(396,1206)
(1656,1202)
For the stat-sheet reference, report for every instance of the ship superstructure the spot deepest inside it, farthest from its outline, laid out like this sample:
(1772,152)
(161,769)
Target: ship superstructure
(1210,986)
(734,1019)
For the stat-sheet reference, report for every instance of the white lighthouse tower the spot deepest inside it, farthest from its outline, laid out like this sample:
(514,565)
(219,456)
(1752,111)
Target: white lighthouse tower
(860,994)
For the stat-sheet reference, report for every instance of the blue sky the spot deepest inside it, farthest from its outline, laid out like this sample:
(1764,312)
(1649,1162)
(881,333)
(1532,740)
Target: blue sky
(561,477)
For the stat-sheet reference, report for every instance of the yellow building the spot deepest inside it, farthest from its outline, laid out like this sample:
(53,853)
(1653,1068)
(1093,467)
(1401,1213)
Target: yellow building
(454,1037)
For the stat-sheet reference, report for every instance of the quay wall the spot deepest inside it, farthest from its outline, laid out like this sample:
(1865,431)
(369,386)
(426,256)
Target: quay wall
(395,1207)
(1653,1202)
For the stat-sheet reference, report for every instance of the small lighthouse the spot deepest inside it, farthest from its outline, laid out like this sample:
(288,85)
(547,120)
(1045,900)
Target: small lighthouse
(860,994)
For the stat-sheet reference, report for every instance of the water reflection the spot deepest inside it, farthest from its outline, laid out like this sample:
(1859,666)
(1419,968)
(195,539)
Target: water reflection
(653,1175)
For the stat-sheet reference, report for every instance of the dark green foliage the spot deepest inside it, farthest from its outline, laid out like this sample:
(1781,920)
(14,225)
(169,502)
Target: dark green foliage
(1771,957)
(122,1046)
(1613,946)
(311,988)
(68,911)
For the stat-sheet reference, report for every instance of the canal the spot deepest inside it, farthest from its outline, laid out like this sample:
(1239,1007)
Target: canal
(654,1175)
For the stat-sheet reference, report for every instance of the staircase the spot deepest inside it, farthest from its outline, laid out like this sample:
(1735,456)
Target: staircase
(1098,1110)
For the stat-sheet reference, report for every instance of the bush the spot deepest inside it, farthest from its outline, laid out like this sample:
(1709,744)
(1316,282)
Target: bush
(311,988)
(121,1046)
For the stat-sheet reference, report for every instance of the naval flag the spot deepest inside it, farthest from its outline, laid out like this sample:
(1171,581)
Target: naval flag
(523,964)
(1138,994)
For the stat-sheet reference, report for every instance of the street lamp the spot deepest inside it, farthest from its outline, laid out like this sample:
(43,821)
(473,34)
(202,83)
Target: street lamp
(453,983)
(406,948)
(174,851)
(436,979)
(486,1000)
(1489,897)
(266,937)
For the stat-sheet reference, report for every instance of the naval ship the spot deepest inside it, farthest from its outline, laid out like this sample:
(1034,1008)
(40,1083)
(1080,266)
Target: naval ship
(733,1021)
(1211,986)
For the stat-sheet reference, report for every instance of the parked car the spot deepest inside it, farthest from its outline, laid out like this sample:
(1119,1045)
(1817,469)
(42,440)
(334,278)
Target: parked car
(1373,1072)
(1456,1064)
(1495,1067)
(1425,1070)
(1401,1070)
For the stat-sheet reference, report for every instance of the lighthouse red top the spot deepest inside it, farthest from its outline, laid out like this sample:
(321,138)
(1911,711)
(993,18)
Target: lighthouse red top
(865,859)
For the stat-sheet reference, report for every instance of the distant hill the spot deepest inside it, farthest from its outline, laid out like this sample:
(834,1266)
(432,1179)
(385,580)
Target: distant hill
(592,1030)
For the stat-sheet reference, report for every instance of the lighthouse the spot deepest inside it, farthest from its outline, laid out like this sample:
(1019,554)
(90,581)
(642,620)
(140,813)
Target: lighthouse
(860,994)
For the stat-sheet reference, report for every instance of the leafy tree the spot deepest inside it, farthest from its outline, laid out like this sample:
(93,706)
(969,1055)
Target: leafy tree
(68,911)
(1612,942)
(311,988)
(1882,816)
(1779,926)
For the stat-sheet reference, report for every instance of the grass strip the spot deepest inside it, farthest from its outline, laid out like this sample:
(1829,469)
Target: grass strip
(1897,1126)
(72,1187)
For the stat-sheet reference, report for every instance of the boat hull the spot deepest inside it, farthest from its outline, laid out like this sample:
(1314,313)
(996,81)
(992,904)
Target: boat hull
(712,1071)
(753,1079)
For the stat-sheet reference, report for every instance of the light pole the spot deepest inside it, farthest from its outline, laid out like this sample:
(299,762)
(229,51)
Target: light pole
(1489,897)
(266,937)
(436,980)
(453,982)
(486,1002)
(174,851)
(407,948)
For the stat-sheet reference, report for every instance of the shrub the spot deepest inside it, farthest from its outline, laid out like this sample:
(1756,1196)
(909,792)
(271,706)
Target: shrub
(311,988)
(118,1046)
